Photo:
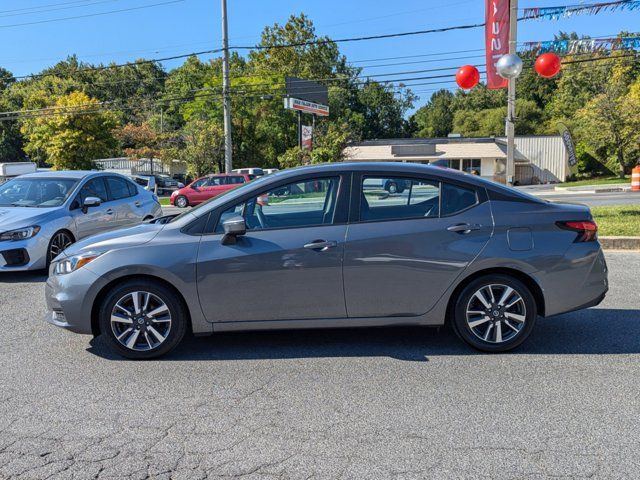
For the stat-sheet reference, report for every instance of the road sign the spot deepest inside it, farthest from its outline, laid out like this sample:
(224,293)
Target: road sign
(306,106)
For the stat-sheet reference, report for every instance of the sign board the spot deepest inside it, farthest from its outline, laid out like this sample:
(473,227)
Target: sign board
(307,137)
(496,37)
(313,92)
(568,143)
(306,106)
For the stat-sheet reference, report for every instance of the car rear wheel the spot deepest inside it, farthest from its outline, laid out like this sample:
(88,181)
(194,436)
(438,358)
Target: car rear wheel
(495,313)
(142,319)
(57,244)
(181,202)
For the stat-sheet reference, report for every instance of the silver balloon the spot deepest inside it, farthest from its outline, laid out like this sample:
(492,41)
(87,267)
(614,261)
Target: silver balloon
(509,66)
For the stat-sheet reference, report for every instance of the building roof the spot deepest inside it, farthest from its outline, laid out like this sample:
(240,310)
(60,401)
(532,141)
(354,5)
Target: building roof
(429,149)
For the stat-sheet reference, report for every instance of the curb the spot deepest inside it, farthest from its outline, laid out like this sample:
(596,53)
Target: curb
(625,187)
(620,243)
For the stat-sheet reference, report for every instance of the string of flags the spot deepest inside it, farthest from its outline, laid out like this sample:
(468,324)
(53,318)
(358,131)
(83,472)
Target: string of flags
(587,45)
(555,13)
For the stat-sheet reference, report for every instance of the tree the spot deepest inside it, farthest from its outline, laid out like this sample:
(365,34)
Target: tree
(609,122)
(73,139)
(491,121)
(435,119)
(203,147)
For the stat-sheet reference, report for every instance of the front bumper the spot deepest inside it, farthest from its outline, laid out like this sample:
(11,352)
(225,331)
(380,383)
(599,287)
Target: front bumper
(70,299)
(30,254)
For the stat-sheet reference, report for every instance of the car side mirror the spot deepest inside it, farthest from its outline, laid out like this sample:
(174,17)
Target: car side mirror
(234,227)
(193,187)
(90,202)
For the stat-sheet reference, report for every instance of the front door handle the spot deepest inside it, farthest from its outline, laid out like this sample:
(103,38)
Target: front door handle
(138,204)
(109,211)
(321,245)
(464,228)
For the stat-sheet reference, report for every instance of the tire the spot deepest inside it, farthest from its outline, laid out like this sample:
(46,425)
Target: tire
(181,201)
(392,187)
(496,328)
(59,241)
(149,336)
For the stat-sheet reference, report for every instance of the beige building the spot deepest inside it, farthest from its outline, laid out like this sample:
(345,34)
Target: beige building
(539,159)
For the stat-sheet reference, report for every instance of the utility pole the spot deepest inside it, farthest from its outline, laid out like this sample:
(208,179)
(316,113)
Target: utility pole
(228,163)
(510,127)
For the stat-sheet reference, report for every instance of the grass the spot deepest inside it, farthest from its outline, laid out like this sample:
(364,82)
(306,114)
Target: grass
(597,181)
(164,201)
(622,220)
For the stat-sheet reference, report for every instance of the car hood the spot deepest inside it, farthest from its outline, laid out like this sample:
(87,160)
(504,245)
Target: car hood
(116,239)
(20,217)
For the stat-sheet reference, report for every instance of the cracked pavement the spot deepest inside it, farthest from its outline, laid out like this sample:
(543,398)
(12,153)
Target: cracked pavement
(403,403)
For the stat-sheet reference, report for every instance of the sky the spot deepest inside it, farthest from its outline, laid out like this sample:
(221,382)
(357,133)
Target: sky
(33,38)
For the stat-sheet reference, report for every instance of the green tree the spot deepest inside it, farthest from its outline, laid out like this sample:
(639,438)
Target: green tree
(435,119)
(73,139)
(203,147)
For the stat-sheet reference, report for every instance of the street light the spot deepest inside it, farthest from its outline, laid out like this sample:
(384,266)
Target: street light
(509,66)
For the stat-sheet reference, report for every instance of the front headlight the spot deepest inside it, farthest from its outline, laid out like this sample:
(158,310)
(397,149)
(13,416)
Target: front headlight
(20,233)
(71,264)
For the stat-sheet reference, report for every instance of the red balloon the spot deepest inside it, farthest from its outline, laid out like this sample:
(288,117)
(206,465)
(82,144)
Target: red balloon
(467,77)
(548,65)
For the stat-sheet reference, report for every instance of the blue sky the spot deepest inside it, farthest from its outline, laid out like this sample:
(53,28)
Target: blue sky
(192,25)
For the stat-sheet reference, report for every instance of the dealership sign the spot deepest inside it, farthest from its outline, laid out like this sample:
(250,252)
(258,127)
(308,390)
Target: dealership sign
(496,37)
(306,106)
(307,137)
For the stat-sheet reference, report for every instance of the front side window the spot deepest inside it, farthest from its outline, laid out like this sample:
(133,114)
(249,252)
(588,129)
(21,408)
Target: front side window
(299,204)
(387,198)
(118,188)
(36,192)
(200,183)
(94,188)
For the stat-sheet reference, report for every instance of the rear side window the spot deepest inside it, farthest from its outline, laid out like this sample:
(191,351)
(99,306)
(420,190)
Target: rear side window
(456,198)
(133,190)
(386,198)
(118,188)
(235,180)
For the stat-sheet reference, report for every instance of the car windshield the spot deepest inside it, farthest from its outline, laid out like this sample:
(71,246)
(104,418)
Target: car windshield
(36,192)
(242,188)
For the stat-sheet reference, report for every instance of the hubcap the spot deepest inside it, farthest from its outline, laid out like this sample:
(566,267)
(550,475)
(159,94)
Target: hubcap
(496,313)
(182,202)
(141,321)
(59,242)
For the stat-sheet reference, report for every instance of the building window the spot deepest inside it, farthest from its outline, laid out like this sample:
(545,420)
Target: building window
(472,165)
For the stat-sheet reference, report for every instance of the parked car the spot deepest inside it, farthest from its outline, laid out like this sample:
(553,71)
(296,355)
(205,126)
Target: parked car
(207,187)
(41,214)
(166,184)
(269,171)
(454,248)
(13,169)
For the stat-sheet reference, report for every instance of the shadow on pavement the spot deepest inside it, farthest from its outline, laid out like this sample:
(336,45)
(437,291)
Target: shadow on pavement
(23,277)
(588,332)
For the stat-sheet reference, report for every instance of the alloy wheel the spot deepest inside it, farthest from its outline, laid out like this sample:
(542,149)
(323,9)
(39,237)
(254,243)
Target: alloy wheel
(181,202)
(140,321)
(496,313)
(59,242)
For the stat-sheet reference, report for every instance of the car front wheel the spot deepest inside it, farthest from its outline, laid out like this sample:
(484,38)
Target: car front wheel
(181,202)
(494,313)
(142,319)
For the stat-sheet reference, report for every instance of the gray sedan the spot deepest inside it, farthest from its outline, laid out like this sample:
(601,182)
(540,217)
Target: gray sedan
(330,246)
(41,214)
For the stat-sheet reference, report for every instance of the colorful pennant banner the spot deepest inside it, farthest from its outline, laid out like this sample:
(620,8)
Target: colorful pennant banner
(583,45)
(554,13)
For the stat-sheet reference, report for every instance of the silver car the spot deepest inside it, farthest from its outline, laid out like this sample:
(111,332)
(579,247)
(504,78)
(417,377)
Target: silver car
(41,214)
(330,246)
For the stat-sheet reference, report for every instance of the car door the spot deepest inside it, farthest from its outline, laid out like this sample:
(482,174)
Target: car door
(288,265)
(126,211)
(404,249)
(198,191)
(95,219)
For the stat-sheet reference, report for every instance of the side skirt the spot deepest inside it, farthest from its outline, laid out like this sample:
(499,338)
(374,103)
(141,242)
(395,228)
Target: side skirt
(324,323)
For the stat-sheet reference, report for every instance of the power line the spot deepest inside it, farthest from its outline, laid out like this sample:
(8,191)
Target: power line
(34,12)
(40,22)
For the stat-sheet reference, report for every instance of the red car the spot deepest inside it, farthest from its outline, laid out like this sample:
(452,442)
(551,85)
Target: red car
(207,187)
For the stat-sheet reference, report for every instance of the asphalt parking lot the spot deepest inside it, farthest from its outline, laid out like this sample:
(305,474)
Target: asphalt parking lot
(380,403)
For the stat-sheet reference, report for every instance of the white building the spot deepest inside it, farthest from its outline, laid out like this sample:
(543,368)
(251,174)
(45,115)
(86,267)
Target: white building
(539,159)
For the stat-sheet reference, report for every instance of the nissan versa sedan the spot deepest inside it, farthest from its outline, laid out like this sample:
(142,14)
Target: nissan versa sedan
(41,214)
(329,246)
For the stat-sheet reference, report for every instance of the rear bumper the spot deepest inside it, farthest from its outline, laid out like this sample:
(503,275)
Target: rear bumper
(579,280)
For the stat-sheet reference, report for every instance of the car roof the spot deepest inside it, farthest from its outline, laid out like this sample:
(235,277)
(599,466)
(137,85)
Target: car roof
(71,174)
(232,174)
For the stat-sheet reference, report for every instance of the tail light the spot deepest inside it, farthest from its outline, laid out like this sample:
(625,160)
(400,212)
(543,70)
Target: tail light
(587,230)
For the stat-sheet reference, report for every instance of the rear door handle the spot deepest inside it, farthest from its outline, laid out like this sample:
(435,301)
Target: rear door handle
(464,228)
(321,245)
(109,211)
